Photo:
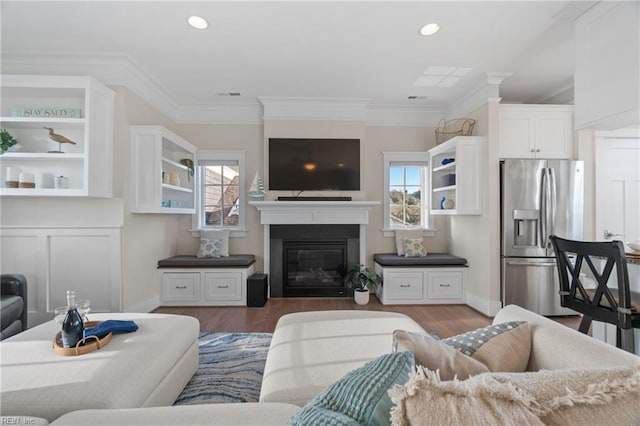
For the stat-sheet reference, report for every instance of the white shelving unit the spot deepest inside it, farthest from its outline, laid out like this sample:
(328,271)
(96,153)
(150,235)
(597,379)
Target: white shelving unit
(464,172)
(88,164)
(155,155)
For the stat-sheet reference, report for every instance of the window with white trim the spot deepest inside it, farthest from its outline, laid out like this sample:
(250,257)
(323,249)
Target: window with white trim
(406,190)
(220,187)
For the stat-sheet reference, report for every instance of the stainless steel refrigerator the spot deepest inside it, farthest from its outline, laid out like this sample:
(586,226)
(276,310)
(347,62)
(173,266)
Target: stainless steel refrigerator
(538,198)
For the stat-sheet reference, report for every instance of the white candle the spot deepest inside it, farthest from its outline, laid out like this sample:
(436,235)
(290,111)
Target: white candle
(13,173)
(26,177)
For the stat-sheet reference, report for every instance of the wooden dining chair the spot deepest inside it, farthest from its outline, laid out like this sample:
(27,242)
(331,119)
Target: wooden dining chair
(614,303)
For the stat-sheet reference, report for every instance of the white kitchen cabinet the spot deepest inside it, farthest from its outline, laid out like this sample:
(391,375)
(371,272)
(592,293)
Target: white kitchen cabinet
(204,286)
(536,131)
(161,183)
(420,285)
(79,108)
(607,66)
(458,181)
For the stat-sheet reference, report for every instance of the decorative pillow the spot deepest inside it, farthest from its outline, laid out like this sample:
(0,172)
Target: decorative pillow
(581,396)
(401,234)
(222,235)
(209,248)
(501,347)
(414,247)
(361,396)
(479,400)
(435,355)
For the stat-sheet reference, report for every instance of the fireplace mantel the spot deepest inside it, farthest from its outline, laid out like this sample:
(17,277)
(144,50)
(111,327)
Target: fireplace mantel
(313,212)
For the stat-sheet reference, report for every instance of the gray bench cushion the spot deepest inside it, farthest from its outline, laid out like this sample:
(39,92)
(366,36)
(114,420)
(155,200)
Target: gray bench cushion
(431,259)
(236,260)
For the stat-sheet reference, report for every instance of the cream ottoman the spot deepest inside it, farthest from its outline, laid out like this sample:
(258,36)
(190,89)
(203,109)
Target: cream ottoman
(149,367)
(311,350)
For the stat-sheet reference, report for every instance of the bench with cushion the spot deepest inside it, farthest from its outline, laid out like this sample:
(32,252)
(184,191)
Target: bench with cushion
(209,281)
(434,278)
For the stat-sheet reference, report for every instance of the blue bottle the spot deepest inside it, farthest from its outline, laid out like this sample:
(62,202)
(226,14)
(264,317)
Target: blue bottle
(442,202)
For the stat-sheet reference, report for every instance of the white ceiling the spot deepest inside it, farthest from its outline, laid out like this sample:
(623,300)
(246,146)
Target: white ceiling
(328,49)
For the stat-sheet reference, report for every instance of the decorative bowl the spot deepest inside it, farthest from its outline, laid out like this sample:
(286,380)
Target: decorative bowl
(634,245)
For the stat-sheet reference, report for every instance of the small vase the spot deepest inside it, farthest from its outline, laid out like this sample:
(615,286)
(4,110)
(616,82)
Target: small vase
(361,297)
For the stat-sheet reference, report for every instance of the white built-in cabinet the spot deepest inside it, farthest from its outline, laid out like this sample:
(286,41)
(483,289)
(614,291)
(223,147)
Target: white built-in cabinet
(204,286)
(458,181)
(162,181)
(607,66)
(420,285)
(78,108)
(535,131)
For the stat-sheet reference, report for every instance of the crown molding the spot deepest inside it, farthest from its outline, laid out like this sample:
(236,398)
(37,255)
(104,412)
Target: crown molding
(122,70)
(479,95)
(298,108)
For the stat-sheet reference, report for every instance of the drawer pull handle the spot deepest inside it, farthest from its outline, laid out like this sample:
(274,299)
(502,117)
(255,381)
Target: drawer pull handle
(181,286)
(223,286)
(405,285)
(445,285)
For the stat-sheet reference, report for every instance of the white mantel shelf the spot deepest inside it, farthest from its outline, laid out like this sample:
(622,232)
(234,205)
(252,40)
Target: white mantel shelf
(314,212)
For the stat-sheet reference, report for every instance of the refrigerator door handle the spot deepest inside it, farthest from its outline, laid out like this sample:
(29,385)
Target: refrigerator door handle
(524,263)
(553,194)
(543,210)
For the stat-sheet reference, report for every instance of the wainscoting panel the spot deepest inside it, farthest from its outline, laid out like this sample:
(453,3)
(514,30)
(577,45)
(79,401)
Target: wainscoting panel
(54,260)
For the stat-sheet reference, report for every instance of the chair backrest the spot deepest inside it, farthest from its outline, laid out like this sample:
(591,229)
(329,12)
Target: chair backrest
(607,304)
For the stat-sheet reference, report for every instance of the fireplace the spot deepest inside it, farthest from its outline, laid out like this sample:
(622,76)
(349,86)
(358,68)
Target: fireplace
(311,260)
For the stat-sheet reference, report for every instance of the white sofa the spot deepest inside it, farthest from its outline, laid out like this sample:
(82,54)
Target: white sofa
(309,351)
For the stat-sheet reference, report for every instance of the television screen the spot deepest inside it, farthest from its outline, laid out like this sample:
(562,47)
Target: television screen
(314,164)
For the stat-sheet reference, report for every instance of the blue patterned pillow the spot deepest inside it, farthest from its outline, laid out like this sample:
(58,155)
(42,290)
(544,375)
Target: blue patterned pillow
(360,397)
(414,247)
(209,248)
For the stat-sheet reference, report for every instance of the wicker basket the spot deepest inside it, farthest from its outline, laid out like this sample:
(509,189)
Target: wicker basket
(456,127)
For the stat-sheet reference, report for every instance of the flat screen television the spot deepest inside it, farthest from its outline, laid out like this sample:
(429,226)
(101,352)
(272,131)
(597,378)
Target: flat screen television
(314,164)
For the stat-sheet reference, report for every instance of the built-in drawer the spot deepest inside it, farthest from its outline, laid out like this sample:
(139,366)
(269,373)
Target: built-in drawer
(444,285)
(222,286)
(181,286)
(404,285)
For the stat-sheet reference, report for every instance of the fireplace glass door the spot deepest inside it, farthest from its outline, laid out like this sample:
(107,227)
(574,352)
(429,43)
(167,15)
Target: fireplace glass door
(314,268)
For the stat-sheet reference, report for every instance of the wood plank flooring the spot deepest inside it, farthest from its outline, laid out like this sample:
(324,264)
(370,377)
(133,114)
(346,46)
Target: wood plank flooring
(444,320)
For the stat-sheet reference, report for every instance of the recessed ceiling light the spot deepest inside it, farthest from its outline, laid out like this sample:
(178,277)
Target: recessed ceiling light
(430,29)
(198,22)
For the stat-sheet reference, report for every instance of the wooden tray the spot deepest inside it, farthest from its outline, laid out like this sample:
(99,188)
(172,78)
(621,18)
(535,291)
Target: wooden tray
(635,255)
(91,343)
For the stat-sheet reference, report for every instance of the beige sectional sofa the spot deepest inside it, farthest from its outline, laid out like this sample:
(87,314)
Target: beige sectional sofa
(310,351)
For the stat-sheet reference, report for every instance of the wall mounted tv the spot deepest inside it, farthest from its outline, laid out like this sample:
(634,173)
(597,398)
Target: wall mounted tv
(314,164)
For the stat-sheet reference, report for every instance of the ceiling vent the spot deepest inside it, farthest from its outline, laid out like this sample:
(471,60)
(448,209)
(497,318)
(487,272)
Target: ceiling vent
(229,94)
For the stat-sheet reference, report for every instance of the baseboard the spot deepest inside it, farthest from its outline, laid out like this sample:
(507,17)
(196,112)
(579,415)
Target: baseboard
(486,307)
(144,306)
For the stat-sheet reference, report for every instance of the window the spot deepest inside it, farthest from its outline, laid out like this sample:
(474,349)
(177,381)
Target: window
(405,192)
(220,177)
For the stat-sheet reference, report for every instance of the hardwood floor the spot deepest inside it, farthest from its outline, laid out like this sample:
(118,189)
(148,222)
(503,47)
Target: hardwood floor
(444,320)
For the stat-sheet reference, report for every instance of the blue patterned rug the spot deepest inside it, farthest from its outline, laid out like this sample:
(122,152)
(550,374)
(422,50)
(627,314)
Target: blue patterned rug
(230,369)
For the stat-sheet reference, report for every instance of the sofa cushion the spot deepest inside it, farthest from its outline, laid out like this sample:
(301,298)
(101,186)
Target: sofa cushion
(10,309)
(581,396)
(479,400)
(360,397)
(431,259)
(501,347)
(498,347)
(435,355)
(414,247)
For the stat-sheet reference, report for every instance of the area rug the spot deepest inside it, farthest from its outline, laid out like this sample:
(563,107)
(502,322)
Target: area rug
(230,369)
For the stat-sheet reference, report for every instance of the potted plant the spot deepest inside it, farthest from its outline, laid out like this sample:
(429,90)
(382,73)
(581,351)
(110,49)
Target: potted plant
(360,278)
(7,141)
